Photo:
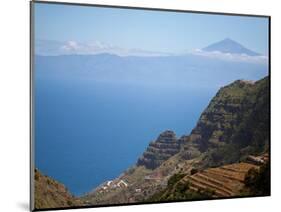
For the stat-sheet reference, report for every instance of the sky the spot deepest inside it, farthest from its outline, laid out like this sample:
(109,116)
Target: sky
(155,31)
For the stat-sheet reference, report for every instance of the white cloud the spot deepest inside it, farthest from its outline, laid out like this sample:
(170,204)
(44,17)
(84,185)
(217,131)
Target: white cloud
(231,57)
(70,46)
(73,47)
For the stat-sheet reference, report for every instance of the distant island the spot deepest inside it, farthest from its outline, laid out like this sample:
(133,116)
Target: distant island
(228,45)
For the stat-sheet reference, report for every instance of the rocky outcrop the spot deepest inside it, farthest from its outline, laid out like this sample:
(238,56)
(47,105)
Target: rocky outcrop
(158,151)
(50,194)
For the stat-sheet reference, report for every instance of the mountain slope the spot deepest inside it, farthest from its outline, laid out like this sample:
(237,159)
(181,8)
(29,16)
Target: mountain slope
(52,194)
(230,46)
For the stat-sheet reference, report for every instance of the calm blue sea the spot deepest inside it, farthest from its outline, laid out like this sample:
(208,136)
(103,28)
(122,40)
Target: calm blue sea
(88,132)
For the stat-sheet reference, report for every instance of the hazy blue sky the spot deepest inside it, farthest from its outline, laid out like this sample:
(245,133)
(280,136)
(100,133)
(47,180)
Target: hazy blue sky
(148,30)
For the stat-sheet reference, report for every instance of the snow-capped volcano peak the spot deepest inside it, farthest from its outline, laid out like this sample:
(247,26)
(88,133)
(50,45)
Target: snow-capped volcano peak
(229,46)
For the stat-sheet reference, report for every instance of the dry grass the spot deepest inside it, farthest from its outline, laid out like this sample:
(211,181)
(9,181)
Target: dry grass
(51,194)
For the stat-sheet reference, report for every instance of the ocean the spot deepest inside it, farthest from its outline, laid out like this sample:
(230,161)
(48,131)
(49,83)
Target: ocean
(87,132)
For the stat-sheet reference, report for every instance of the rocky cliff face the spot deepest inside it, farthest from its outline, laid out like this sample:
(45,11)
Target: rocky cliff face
(229,111)
(158,151)
(235,124)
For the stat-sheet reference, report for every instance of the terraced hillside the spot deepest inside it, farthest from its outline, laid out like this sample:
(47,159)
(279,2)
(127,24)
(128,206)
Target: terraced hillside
(231,180)
(225,181)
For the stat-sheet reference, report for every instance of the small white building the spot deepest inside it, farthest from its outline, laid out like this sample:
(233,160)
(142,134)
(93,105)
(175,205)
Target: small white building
(121,183)
(109,183)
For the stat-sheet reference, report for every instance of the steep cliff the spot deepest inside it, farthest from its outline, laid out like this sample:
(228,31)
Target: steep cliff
(235,124)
